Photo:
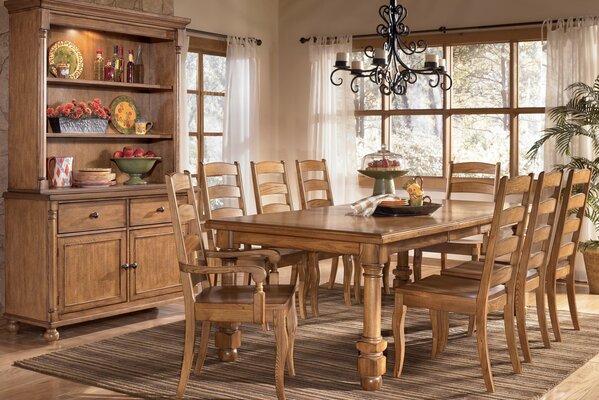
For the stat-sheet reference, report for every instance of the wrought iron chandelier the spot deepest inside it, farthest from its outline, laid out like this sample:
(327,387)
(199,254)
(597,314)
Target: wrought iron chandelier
(389,71)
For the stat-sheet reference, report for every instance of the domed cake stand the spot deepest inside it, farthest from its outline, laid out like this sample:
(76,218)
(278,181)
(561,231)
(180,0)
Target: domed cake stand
(383,180)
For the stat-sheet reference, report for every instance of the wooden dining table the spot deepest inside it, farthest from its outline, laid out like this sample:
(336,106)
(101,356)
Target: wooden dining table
(373,239)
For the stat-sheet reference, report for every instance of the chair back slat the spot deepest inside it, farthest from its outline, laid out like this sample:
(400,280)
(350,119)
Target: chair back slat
(542,233)
(224,191)
(271,186)
(548,206)
(566,250)
(577,201)
(226,212)
(314,184)
(536,260)
(571,225)
(475,168)
(220,168)
(512,216)
(472,177)
(506,246)
(186,213)
(472,186)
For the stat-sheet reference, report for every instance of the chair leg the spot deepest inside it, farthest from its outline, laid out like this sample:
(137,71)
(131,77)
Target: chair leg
(291,330)
(398,323)
(281,352)
(541,316)
(434,314)
(357,280)
(333,274)
(386,270)
(471,324)
(552,305)
(483,352)
(443,330)
(304,283)
(203,347)
(508,321)
(571,290)
(443,260)
(476,253)
(348,269)
(521,323)
(417,265)
(293,277)
(190,330)
(314,281)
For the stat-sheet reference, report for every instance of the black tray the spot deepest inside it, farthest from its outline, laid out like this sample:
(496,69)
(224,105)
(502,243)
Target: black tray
(406,211)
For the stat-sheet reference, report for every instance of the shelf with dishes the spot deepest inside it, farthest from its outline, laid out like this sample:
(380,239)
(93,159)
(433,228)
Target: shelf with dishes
(86,83)
(110,136)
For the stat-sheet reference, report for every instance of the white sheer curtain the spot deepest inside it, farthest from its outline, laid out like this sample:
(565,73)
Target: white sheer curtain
(183,114)
(572,56)
(331,132)
(242,107)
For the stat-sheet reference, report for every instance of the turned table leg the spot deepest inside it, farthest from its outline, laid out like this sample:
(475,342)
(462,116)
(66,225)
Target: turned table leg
(227,338)
(13,326)
(51,335)
(402,271)
(372,363)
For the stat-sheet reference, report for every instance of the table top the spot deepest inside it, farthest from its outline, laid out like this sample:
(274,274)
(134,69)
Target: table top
(334,223)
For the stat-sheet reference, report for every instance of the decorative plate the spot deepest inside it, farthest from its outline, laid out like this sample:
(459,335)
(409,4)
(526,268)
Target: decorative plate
(405,211)
(123,113)
(65,52)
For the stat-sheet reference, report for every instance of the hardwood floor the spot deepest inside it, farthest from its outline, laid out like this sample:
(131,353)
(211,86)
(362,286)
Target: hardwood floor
(17,383)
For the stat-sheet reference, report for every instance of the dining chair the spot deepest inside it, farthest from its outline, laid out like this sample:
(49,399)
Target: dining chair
(222,193)
(495,291)
(565,245)
(532,268)
(227,304)
(315,191)
(272,194)
(465,178)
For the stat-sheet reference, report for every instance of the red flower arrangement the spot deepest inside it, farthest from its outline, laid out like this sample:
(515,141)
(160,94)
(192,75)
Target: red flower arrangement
(80,110)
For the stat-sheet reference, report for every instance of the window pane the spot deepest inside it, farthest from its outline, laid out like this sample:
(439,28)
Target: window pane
(484,138)
(191,71)
(420,95)
(214,73)
(213,148)
(368,137)
(418,139)
(193,154)
(530,127)
(481,75)
(192,112)
(214,108)
(532,71)
(369,96)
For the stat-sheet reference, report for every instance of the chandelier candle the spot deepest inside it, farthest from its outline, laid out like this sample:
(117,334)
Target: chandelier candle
(357,65)
(442,64)
(380,57)
(430,60)
(342,60)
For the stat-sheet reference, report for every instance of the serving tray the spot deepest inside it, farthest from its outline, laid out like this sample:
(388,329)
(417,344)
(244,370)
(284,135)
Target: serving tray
(406,211)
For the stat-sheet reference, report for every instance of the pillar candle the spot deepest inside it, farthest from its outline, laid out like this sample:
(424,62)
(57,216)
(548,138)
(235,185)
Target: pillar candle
(357,65)
(342,56)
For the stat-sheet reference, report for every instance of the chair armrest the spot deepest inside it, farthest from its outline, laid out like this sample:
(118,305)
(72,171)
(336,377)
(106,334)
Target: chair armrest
(258,273)
(272,255)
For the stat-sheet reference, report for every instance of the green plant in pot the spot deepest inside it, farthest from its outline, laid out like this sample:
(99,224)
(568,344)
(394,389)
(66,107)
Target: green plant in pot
(579,118)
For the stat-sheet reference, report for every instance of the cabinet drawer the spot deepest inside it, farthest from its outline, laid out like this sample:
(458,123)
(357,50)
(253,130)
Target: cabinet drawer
(86,216)
(154,210)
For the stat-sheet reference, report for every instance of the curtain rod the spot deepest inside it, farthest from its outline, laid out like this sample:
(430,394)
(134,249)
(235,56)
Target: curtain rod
(443,29)
(219,36)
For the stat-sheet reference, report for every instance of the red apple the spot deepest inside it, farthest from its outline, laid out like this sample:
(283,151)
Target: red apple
(117,154)
(128,152)
(139,152)
(150,153)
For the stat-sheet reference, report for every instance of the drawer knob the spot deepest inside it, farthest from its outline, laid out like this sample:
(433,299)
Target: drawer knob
(133,265)
(125,266)
(94,215)
(160,209)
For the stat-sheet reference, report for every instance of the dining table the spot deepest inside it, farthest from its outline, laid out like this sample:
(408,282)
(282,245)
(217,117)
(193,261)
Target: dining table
(372,239)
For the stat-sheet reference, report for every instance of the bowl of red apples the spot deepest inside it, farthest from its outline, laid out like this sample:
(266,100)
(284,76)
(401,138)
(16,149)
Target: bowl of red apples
(135,163)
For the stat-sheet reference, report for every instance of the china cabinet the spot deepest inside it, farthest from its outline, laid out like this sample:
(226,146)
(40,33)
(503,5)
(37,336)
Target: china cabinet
(79,253)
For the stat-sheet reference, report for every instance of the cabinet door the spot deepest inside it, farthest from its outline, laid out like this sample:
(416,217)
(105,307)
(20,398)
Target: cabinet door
(153,252)
(90,272)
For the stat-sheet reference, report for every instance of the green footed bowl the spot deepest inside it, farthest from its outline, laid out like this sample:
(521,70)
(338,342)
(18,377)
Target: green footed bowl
(135,167)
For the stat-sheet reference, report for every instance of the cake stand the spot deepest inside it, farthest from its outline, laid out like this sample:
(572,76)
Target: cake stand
(383,180)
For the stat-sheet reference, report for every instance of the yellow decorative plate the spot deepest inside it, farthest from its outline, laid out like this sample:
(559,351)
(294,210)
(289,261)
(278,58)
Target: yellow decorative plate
(123,113)
(65,52)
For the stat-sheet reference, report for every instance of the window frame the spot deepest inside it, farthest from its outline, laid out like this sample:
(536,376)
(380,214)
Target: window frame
(203,46)
(446,41)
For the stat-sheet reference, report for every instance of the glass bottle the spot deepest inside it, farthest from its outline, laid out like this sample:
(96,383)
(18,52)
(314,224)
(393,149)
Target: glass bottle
(108,71)
(131,68)
(139,67)
(115,64)
(99,66)
(122,66)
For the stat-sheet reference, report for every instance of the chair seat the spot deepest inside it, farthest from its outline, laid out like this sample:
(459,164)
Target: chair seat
(473,270)
(275,294)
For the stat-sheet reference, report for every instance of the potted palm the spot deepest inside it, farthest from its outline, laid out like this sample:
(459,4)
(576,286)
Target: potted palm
(579,117)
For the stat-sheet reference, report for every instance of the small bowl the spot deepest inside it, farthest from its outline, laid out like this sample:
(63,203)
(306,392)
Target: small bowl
(135,167)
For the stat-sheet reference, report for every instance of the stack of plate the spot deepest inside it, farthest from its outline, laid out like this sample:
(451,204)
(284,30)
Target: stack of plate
(94,177)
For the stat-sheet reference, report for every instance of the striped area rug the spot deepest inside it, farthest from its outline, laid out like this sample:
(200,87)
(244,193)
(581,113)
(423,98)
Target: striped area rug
(146,363)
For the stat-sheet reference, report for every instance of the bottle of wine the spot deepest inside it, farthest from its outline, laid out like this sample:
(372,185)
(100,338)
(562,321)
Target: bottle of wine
(119,73)
(131,68)
(116,64)
(139,67)
(99,66)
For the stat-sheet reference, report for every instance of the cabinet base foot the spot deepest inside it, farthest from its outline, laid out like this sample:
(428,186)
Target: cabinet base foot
(13,326)
(51,335)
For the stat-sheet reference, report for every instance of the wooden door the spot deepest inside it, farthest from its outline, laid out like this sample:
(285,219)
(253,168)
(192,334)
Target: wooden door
(90,271)
(153,265)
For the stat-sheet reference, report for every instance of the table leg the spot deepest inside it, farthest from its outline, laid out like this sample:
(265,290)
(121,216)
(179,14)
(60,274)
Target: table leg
(372,364)
(227,338)
(402,271)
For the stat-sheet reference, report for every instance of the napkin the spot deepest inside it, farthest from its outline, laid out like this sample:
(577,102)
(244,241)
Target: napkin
(365,207)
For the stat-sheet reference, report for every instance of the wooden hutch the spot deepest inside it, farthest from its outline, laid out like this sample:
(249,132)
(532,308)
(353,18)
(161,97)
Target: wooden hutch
(77,254)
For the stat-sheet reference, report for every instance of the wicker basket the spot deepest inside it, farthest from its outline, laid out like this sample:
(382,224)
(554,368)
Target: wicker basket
(591,264)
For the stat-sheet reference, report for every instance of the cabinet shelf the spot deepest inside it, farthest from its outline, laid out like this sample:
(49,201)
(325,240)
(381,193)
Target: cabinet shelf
(109,136)
(138,87)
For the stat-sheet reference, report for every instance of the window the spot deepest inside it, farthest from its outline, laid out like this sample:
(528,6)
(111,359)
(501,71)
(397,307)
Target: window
(493,112)
(206,83)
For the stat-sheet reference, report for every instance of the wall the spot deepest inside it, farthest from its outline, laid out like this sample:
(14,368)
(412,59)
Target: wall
(165,7)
